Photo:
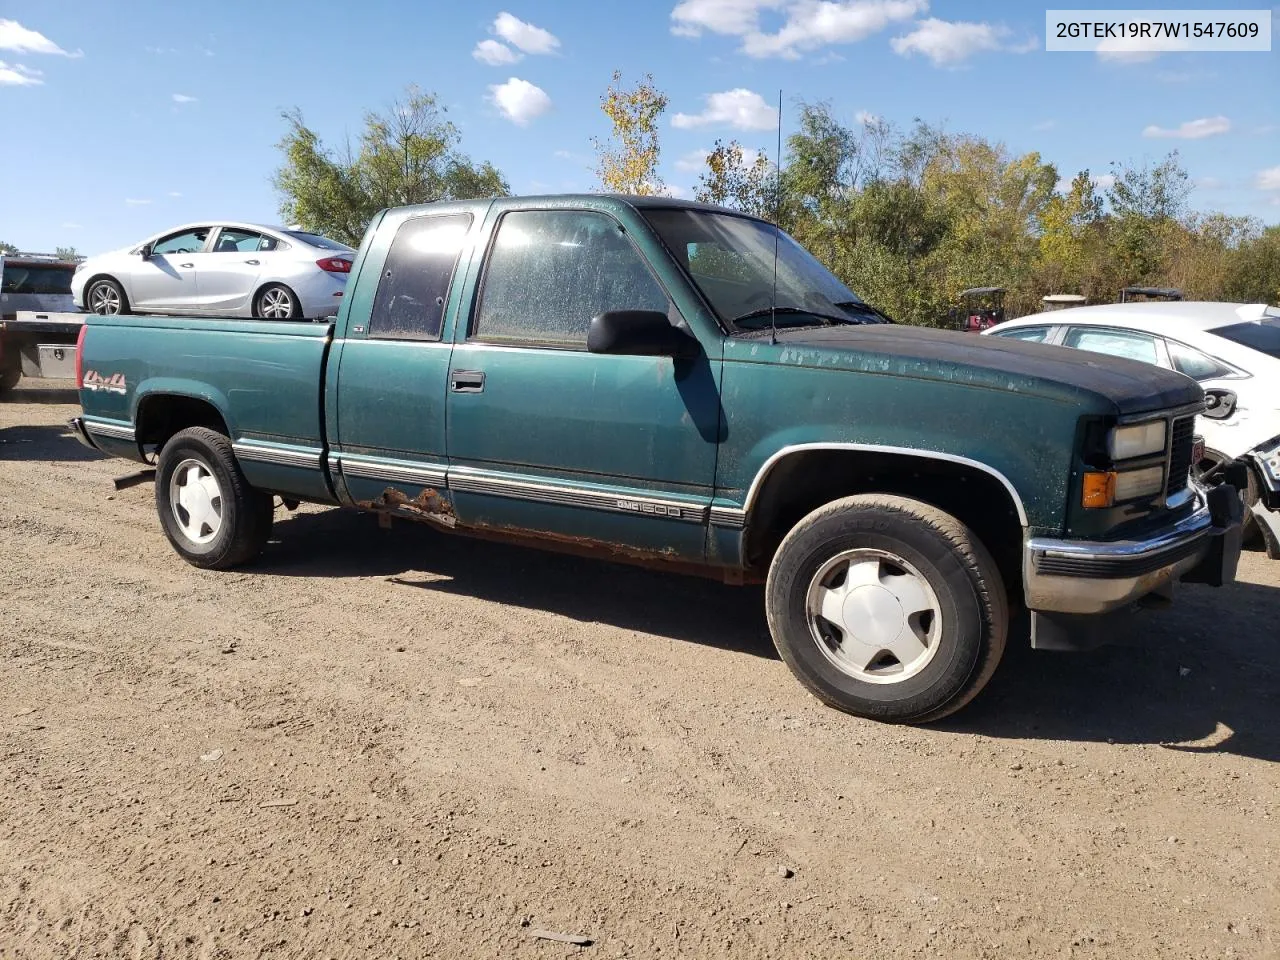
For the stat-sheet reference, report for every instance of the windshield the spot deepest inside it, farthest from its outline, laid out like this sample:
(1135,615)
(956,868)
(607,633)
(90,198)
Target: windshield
(1263,336)
(324,243)
(730,259)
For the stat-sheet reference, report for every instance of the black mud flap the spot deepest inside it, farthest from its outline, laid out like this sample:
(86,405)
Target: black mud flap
(1218,566)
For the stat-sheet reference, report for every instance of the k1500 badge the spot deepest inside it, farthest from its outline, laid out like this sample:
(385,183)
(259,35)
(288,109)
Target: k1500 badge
(115,383)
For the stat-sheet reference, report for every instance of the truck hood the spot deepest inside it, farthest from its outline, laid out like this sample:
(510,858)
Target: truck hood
(992,362)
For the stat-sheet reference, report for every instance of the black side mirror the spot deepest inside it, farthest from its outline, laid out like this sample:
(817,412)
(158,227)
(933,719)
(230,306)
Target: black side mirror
(1219,404)
(145,252)
(639,333)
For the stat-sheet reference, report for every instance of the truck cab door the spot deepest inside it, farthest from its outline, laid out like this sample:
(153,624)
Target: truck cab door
(388,445)
(549,439)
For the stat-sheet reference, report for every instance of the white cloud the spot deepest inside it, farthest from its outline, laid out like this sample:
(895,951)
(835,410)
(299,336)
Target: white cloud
(524,36)
(1269,179)
(808,25)
(174,193)
(16,75)
(867,118)
(183,98)
(1124,50)
(812,24)
(1191,130)
(672,191)
(1103,181)
(73,226)
(947,43)
(1044,125)
(693,162)
(495,54)
(741,109)
(519,100)
(136,203)
(14,36)
(735,18)
(1208,183)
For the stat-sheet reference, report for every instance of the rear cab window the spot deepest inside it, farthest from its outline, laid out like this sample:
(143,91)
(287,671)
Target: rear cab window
(416,276)
(43,278)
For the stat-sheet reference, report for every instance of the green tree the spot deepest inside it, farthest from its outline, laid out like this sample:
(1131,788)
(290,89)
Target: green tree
(731,180)
(405,155)
(1146,202)
(628,161)
(66,253)
(7,247)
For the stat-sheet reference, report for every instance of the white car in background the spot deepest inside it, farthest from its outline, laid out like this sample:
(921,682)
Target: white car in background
(220,269)
(1225,346)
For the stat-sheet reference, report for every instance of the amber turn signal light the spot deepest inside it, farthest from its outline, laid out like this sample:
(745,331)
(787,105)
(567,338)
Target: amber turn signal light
(1099,489)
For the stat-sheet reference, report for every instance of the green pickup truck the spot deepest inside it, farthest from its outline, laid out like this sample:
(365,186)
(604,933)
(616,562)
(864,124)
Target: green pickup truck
(680,385)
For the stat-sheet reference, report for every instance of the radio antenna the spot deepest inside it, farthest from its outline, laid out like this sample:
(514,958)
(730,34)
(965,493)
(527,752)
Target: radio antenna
(777,226)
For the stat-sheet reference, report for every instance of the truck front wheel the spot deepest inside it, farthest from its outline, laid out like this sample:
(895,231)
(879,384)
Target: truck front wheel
(887,608)
(211,515)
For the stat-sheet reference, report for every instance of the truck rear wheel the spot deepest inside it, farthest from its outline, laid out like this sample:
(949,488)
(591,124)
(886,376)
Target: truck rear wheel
(211,515)
(887,608)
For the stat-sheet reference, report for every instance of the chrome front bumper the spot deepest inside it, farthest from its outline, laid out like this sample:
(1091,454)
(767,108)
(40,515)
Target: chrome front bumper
(1091,577)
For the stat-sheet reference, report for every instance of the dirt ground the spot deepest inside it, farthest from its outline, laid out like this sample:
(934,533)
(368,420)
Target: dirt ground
(395,743)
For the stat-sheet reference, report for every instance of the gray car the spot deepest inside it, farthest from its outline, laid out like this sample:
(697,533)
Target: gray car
(223,269)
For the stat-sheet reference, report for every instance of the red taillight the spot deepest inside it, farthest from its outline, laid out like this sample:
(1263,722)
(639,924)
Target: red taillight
(84,327)
(334,265)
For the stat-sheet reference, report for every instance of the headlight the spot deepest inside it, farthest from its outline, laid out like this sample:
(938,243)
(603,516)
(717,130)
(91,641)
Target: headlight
(1132,484)
(1140,440)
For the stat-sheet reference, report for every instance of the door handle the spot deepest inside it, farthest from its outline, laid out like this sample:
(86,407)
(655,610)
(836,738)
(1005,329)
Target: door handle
(466,381)
(187,265)
(252,262)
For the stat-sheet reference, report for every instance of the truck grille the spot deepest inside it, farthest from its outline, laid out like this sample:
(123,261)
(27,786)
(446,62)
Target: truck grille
(1180,455)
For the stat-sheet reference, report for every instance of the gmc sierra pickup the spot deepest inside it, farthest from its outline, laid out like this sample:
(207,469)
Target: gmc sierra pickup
(625,376)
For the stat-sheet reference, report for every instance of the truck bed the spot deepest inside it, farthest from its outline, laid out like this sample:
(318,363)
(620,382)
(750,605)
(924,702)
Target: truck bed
(266,381)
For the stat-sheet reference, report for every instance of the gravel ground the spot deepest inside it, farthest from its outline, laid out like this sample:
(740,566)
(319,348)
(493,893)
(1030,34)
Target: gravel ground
(395,743)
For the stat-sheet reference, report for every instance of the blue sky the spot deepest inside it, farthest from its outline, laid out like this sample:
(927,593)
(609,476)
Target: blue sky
(121,119)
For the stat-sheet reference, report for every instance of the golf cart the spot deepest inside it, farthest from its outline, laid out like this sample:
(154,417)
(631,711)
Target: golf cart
(1139,294)
(981,307)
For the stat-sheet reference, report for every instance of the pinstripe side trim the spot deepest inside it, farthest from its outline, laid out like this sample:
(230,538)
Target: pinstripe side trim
(280,456)
(396,471)
(117,431)
(469,481)
(735,518)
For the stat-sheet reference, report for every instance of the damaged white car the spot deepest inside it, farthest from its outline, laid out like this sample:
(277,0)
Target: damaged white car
(1232,349)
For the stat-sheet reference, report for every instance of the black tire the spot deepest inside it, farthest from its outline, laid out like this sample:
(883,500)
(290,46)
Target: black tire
(971,604)
(109,292)
(10,374)
(244,514)
(267,300)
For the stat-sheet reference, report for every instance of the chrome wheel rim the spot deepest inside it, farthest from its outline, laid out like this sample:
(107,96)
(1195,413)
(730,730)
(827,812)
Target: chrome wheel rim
(104,299)
(873,616)
(276,303)
(196,501)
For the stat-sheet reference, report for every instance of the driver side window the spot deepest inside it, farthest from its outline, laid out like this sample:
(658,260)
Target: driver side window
(189,241)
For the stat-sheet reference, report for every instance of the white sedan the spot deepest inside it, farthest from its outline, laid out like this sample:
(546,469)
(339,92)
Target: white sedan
(219,269)
(1225,346)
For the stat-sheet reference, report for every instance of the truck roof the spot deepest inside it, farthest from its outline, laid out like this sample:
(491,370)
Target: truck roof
(631,200)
